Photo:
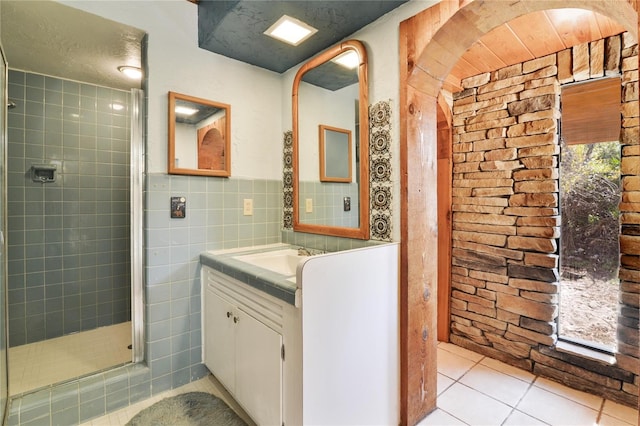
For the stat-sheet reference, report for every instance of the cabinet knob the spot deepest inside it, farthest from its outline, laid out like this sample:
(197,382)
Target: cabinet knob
(236,319)
(228,314)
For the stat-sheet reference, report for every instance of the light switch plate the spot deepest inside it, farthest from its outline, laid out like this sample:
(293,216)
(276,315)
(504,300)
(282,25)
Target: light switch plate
(247,208)
(309,205)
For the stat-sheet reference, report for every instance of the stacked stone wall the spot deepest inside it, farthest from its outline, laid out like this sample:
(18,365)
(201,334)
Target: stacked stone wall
(506,223)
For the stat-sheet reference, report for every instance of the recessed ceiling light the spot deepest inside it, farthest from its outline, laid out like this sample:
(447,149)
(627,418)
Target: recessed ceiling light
(133,73)
(290,30)
(183,110)
(349,60)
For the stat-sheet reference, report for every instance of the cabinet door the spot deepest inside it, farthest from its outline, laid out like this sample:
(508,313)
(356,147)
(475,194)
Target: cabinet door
(259,370)
(220,339)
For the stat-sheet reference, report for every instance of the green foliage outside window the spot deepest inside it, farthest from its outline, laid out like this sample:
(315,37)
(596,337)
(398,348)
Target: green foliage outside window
(590,197)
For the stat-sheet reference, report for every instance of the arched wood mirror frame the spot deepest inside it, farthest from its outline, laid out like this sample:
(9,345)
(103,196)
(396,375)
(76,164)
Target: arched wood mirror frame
(362,231)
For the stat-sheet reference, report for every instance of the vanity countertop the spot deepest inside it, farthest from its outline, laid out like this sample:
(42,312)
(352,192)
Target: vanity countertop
(281,286)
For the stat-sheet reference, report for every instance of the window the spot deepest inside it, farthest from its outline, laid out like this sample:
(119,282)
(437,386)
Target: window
(589,204)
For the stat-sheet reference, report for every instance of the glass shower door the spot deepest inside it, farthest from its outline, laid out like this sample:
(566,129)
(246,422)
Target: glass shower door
(4,380)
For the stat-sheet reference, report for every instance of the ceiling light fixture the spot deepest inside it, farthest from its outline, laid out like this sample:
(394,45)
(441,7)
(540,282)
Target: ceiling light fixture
(290,30)
(183,110)
(133,73)
(349,60)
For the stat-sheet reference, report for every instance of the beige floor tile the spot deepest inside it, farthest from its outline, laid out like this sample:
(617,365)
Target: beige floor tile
(621,412)
(607,420)
(555,409)
(440,418)
(474,400)
(453,365)
(495,384)
(591,401)
(516,372)
(443,383)
(465,353)
(472,407)
(518,418)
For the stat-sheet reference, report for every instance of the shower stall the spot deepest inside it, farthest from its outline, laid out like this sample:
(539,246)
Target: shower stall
(73,181)
(69,257)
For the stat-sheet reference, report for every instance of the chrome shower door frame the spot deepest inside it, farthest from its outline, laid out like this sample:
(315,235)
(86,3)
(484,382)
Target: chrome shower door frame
(137,222)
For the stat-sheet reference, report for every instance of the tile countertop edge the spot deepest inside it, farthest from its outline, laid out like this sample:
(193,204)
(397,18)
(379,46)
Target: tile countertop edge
(270,282)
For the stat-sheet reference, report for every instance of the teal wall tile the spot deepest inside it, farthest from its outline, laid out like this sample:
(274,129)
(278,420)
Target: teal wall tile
(92,408)
(66,417)
(38,134)
(161,384)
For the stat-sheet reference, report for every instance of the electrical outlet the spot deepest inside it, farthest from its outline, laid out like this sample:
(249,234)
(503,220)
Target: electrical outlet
(346,204)
(247,209)
(309,205)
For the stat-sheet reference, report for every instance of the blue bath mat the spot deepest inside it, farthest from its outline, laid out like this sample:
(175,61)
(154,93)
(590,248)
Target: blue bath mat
(188,409)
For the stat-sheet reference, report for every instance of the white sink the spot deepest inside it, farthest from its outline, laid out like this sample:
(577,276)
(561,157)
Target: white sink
(280,261)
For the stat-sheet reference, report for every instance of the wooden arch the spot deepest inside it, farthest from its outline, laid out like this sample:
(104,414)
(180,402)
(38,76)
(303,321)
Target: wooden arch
(430,45)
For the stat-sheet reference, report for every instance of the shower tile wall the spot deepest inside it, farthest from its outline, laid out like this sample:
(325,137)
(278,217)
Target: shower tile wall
(69,257)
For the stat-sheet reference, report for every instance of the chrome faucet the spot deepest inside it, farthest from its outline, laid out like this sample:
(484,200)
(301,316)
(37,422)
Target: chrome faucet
(303,252)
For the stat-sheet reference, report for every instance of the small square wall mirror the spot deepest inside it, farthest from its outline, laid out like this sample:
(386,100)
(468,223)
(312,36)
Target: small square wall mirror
(335,154)
(199,136)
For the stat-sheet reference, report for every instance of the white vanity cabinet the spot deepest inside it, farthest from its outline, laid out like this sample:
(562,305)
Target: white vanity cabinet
(220,342)
(243,344)
(327,356)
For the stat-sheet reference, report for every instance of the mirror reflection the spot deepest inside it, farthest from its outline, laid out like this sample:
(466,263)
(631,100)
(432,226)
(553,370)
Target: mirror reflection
(335,154)
(199,136)
(331,170)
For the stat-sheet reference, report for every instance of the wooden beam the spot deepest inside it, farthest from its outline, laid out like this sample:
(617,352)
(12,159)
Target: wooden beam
(419,223)
(445,169)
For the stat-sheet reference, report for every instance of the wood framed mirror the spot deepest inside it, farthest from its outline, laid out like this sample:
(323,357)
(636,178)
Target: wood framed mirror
(199,136)
(327,93)
(336,154)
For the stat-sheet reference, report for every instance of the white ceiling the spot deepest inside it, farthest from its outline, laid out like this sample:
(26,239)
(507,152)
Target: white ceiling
(57,40)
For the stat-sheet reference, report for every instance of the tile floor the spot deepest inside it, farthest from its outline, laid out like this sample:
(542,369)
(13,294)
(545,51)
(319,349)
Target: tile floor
(39,364)
(472,390)
(476,390)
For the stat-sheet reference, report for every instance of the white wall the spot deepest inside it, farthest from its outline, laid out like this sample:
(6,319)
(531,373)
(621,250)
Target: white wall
(176,63)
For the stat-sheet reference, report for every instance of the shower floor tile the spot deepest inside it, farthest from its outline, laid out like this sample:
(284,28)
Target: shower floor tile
(40,364)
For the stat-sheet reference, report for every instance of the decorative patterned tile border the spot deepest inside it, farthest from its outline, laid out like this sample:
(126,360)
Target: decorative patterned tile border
(287,180)
(380,170)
